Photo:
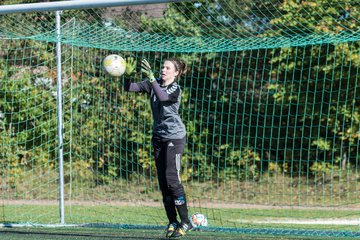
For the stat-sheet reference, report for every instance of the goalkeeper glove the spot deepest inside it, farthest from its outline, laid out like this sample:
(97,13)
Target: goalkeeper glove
(146,69)
(130,66)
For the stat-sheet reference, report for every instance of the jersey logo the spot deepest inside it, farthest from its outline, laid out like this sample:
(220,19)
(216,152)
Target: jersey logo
(170,144)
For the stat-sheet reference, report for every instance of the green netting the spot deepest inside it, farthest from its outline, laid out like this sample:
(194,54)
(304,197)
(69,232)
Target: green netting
(270,100)
(198,26)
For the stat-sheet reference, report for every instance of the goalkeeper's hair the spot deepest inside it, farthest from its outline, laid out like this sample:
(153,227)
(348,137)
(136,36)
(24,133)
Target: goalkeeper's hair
(180,65)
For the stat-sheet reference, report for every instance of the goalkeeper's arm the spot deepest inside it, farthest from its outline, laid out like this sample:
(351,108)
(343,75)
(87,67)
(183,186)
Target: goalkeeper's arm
(164,96)
(131,87)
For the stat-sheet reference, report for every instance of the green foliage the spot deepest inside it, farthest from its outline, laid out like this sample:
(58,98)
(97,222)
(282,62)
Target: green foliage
(316,17)
(294,109)
(26,131)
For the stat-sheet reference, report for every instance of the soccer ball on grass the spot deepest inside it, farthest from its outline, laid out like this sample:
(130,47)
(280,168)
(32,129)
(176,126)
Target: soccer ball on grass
(114,65)
(198,220)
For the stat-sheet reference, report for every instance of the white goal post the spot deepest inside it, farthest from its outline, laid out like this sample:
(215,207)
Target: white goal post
(75,4)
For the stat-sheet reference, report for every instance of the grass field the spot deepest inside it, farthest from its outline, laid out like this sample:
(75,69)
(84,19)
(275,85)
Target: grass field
(81,233)
(100,221)
(113,208)
(98,212)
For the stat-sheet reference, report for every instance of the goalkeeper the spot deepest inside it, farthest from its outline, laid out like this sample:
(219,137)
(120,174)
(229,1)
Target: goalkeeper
(169,136)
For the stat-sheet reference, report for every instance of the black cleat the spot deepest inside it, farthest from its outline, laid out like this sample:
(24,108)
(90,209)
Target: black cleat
(171,229)
(181,230)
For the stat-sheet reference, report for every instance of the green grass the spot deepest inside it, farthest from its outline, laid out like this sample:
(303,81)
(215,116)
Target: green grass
(145,215)
(94,220)
(81,233)
(235,205)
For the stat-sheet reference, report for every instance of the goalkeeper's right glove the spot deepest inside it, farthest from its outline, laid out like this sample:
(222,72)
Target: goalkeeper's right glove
(146,69)
(130,66)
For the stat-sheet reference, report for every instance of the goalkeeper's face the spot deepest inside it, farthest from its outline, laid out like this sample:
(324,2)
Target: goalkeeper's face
(169,72)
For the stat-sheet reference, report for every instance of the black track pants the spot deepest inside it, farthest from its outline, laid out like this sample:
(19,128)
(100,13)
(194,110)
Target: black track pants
(167,154)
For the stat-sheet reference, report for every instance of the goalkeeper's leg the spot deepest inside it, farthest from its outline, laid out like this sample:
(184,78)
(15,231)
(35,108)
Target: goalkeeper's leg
(185,225)
(171,214)
(173,155)
(168,199)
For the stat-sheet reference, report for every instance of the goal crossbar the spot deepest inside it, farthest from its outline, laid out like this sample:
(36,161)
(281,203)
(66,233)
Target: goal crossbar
(75,4)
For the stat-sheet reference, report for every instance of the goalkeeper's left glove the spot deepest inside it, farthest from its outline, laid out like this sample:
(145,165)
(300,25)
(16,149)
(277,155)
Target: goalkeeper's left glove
(146,69)
(130,66)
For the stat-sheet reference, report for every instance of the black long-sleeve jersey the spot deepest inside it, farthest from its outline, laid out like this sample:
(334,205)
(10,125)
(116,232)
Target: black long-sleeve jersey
(165,103)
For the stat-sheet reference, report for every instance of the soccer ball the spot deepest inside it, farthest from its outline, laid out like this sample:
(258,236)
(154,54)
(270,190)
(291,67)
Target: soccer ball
(114,65)
(198,219)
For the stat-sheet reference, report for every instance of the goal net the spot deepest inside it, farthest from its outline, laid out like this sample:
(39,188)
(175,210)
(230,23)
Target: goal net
(270,102)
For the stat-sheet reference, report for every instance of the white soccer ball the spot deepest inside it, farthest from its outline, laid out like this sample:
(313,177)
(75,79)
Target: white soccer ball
(198,219)
(114,65)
